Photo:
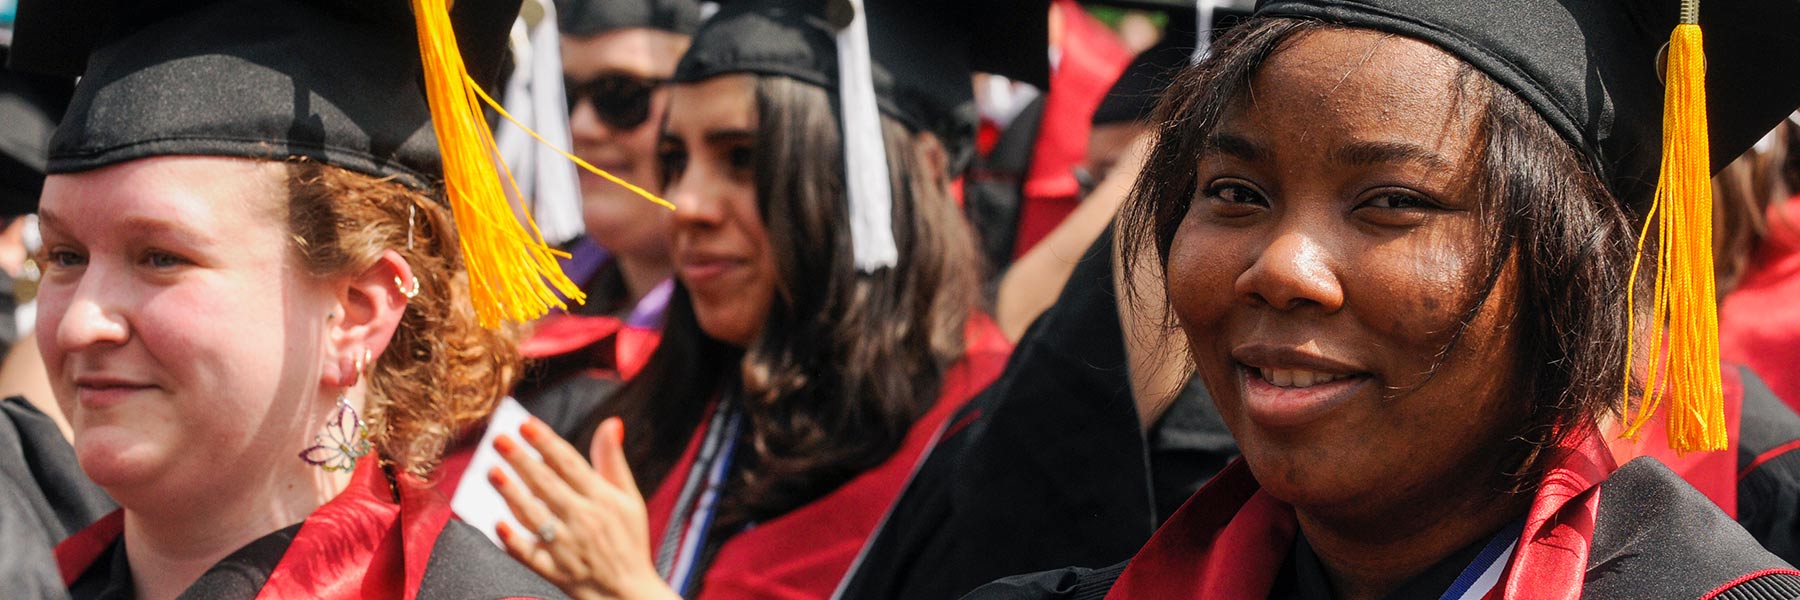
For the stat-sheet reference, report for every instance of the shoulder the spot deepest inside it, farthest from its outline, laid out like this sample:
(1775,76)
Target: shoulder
(1656,537)
(466,566)
(1071,584)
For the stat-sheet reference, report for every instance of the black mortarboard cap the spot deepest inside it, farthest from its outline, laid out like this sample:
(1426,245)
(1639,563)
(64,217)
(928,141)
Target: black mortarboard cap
(336,81)
(30,105)
(923,51)
(1590,67)
(593,17)
(361,85)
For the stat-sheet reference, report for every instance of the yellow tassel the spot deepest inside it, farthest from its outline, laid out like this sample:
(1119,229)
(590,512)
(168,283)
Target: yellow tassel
(513,273)
(1684,297)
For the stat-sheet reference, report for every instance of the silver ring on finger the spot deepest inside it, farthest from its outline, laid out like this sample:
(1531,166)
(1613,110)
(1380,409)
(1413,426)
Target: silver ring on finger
(546,533)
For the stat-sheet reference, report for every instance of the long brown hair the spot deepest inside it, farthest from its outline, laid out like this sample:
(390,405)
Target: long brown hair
(442,371)
(846,361)
(1551,216)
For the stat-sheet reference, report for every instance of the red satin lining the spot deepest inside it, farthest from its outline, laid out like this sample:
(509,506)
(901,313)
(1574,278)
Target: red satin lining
(356,546)
(75,554)
(359,545)
(1254,532)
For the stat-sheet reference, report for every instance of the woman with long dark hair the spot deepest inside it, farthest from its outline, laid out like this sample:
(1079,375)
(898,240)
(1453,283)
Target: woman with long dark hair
(1398,235)
(802,374)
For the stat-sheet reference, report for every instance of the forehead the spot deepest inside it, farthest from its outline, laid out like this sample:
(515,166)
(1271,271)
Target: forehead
(193,191)
(725,102)
(1360,83)
(642,52)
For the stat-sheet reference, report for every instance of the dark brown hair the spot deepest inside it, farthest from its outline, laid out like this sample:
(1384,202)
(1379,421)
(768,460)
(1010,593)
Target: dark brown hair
(846,361)
(442,371)
(1552,218)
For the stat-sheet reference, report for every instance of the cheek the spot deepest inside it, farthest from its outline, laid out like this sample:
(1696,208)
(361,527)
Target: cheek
(1204,263)
(1415,294)
(52,306)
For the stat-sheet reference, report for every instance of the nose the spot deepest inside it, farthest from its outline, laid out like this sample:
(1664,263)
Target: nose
(89,319)
(1293,272)
(584,123)
(696,203)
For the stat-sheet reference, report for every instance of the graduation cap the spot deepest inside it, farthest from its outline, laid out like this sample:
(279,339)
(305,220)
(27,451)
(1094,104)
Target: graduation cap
(357,84)
(30,105)
(593,17)
(909,59)
(1633,98)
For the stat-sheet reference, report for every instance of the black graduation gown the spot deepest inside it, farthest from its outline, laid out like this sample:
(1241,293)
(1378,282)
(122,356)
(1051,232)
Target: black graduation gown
(43,498)
(363,544)
(1052,468)
(1653,536)
(1768,473)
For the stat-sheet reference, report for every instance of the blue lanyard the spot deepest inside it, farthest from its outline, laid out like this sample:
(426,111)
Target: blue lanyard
(1483,573)
(691,522)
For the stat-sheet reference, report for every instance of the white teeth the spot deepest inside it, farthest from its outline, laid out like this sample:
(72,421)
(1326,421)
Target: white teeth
(1297,378)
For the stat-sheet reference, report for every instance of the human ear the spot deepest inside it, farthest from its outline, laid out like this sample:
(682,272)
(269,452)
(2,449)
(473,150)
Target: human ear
(368,311)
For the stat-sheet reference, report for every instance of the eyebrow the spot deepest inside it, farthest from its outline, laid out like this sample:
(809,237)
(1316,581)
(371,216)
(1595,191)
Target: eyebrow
(144,227)
(730,136)
(1371,153)
(1237,146)
(1356,153)
(716,137)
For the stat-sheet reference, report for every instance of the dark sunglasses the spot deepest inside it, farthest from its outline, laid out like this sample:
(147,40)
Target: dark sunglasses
(621,101)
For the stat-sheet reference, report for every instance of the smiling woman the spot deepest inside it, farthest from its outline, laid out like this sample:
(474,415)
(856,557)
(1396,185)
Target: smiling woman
(254,308)
(1398,265)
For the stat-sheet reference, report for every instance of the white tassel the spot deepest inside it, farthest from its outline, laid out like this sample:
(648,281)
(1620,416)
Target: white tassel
(1203,21)
(535,96)
(865,156)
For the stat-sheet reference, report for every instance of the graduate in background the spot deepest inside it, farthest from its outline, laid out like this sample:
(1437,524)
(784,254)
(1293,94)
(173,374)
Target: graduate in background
(1400,271)
(43,494)
(1051,468)
(822,330)
(254,309)
(616,57)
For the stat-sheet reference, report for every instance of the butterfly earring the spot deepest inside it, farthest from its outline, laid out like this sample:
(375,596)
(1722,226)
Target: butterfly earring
(345,440)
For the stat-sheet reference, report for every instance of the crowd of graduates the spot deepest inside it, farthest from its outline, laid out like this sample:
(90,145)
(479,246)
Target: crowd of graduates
(864,299)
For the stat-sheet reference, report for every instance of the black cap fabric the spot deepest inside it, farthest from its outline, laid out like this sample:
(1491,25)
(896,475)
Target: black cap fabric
(594,17)
(924,52)
(30,105)
(336,81)
(1590,67)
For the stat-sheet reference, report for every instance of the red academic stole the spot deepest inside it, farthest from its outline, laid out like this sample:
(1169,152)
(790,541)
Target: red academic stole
(559,334)
(805,553)
(360,545)
(1252,533)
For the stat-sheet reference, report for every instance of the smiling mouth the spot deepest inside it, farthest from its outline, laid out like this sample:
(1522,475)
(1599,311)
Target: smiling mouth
(1286,398)
(1298,378)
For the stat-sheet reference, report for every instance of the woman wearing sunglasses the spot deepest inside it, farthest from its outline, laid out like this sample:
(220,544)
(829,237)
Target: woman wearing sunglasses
(254,309)
(1399,236)
(617,56)
(802,375)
